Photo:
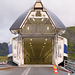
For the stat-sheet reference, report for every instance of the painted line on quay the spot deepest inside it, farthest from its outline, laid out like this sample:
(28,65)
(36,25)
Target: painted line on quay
(26,71)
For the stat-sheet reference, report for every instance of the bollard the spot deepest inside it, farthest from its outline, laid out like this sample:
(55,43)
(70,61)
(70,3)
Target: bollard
(54,68)
(68,72)
(55,72)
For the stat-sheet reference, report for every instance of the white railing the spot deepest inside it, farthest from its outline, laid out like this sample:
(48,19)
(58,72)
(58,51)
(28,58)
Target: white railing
(69,65)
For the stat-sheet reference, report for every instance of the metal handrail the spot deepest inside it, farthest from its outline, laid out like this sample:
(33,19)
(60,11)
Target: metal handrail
(69,65)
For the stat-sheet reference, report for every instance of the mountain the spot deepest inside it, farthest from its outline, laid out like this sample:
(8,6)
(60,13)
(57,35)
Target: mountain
(70,35)
(3,49)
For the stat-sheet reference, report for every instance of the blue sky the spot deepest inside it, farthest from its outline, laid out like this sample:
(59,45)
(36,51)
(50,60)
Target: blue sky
(10,10)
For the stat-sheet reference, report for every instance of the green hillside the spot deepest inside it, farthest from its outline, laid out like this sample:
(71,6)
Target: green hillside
(70,35)
(3,49)
(3,58)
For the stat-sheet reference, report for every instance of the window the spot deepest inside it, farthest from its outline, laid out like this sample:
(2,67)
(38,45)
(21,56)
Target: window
(27,28)
(47,28)
(38,13)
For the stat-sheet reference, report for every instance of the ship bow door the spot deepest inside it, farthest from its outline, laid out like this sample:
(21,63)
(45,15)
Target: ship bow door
(58,55)
(17,50)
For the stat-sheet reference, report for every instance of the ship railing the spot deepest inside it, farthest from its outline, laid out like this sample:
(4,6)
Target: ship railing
(69,65)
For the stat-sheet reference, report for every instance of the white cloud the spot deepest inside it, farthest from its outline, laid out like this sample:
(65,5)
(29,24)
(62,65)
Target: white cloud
(11,9)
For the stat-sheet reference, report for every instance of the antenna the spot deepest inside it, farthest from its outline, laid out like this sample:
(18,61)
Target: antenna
(38,0)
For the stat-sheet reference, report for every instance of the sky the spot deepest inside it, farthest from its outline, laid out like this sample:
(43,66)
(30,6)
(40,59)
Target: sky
(10,10)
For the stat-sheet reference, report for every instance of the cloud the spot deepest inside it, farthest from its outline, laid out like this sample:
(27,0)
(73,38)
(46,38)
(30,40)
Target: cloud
(64,9)
(11,9)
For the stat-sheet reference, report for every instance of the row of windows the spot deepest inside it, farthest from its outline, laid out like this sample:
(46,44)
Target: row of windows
(28,28)
(38,29)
